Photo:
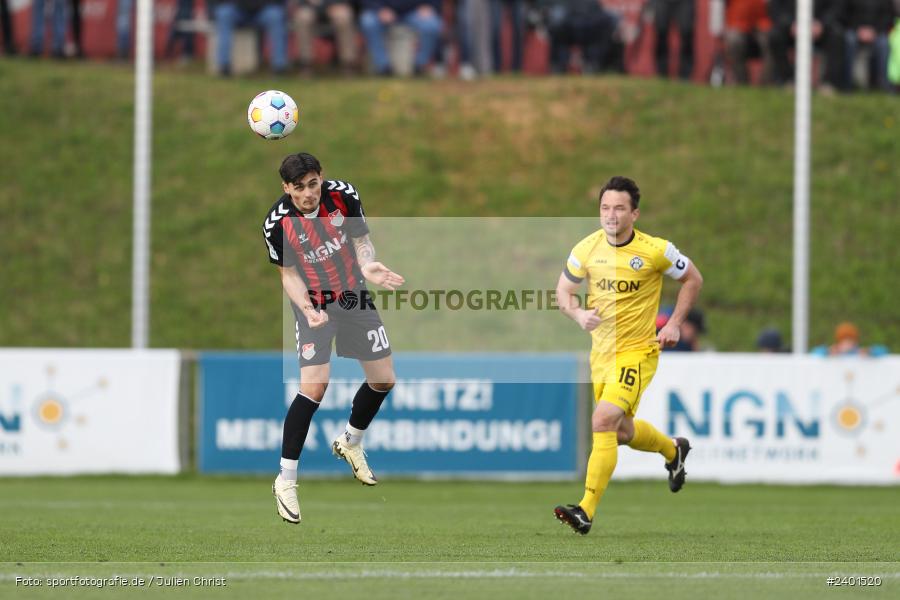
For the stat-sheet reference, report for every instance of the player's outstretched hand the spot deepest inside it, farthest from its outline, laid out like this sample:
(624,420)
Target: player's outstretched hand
(316,318)
(379,274)
(589,319)
(669,335)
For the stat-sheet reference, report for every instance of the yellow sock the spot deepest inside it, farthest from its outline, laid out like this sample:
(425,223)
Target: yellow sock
(600,467)
(650,439)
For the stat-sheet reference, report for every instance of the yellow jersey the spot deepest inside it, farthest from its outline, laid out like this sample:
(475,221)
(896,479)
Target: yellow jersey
(624,282)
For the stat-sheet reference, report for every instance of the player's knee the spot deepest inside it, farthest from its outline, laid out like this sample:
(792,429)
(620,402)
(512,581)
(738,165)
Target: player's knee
(384,384)
(606,421)
(314,391)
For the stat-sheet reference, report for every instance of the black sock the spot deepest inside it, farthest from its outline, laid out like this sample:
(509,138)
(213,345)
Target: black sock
(366,403)
(296,426)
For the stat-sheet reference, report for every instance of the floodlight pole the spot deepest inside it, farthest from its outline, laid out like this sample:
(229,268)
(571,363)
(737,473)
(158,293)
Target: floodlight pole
(143,116)
(802,78)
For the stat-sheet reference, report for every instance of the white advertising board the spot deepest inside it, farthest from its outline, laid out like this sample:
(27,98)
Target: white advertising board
(776,418)
(88,411)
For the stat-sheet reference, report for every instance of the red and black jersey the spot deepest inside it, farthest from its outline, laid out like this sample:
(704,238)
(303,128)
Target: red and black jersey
(319,245)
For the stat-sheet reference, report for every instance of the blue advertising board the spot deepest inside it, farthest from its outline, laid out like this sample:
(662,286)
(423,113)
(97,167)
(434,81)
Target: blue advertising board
(467,424)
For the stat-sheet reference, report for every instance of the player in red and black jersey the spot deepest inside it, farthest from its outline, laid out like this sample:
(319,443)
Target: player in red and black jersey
(316,234)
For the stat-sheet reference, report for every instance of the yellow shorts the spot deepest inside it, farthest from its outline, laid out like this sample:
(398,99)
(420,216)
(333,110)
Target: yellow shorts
(622,383)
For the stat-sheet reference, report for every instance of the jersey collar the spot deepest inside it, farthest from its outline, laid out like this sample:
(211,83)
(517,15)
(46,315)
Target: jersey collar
(625,243)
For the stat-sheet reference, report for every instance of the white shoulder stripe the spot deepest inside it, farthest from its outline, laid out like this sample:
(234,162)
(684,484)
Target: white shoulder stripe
(342,186)
(276,215)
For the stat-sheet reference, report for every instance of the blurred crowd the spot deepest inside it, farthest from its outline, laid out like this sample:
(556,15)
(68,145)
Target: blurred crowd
(845,341)
(857,42)
(851,37)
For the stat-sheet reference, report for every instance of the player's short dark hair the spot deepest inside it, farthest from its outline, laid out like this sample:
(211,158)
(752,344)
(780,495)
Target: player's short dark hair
(297,166)
(622,184)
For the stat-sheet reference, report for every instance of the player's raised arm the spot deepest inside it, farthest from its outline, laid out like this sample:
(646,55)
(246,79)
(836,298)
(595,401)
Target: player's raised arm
(374,271)
(296,289)
(567,299)
(691,282)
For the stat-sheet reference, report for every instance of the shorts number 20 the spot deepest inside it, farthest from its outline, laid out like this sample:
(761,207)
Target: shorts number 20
(378,338)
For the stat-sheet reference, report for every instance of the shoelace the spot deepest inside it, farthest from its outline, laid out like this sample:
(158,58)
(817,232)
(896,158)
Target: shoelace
(365,459)
(289,486)
(361,450)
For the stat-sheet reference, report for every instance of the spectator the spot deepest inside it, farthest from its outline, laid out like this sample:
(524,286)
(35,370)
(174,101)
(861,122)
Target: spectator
(846,343)
(184,13)
(124,15)
(769,340)
(894,39)
(467,26)
(75,20)
(681,12)
(693,326)
(584,24)
(58,22)
(867,23)
(6,25)
(423,16)
(517,18)
(267,14)
(339,13)
(826,35)
(747,28)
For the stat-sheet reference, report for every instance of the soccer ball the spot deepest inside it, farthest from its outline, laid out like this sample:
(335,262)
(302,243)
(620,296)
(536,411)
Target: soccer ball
(272,114)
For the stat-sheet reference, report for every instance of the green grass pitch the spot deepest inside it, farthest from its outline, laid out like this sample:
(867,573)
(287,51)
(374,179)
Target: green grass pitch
(444,539)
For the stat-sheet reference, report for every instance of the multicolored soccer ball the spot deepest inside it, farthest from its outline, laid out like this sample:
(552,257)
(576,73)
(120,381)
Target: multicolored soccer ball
(273,115)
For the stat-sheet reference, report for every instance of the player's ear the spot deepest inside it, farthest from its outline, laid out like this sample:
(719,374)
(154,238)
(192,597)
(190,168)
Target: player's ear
(636,212)
(285,187)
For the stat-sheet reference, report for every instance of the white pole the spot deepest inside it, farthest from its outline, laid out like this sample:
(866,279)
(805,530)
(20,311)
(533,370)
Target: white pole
(143,105)
(800,317)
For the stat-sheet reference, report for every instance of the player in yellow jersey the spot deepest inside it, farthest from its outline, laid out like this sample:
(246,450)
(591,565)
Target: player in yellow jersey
(623,269)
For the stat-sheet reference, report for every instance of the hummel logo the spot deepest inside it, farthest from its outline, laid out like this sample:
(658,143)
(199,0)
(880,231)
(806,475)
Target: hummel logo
(302,238)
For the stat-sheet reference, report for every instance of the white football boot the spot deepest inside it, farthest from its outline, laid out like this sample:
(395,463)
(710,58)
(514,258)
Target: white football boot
(356,458)
(286,502)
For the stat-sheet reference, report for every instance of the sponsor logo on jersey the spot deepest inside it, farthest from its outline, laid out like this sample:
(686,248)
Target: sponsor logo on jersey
(324,252)
(618,285)
(308,351)
(337,219)
(636,263)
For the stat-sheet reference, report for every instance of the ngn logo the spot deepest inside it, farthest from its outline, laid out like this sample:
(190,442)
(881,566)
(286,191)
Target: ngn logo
(10,423)
(11,414)
(760,415)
